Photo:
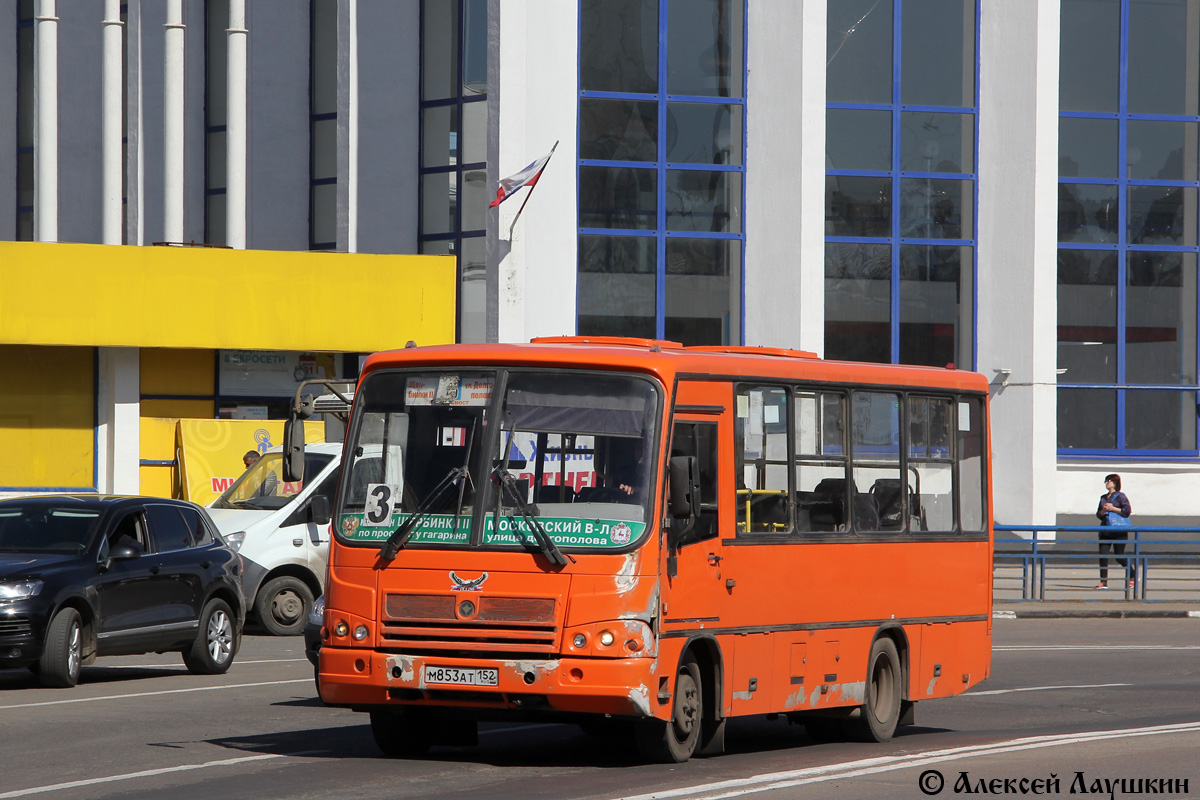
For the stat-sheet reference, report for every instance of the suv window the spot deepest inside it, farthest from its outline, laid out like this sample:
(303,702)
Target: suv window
(168,529)
(130,530)
(200,534)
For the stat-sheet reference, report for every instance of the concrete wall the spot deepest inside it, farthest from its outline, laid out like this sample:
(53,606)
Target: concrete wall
(533,72)
(785,175)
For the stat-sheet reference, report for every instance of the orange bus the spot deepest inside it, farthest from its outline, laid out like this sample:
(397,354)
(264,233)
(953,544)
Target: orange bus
(634,534)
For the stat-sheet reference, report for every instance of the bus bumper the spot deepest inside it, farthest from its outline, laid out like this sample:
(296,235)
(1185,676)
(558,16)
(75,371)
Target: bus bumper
(621,687)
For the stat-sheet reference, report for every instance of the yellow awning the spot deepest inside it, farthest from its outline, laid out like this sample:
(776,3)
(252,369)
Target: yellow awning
(122,296)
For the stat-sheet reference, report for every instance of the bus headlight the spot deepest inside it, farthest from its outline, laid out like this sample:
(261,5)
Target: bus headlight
(341,628)
(607,638)
(360,633)
(580,641)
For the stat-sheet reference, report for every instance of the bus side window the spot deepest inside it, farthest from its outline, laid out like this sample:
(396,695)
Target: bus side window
(764,502)
(699,439)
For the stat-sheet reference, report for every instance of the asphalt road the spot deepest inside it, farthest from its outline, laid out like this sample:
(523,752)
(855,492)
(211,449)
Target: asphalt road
(1071,700)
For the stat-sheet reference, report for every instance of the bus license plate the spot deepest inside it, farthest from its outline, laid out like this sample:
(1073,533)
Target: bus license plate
(459,676)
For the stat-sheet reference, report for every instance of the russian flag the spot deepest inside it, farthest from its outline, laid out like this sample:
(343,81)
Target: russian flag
(526,177)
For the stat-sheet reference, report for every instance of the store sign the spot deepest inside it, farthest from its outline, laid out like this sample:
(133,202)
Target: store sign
(270,373)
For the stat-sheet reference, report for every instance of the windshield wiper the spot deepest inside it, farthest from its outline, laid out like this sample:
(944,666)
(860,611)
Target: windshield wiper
(545,544)
(399,536)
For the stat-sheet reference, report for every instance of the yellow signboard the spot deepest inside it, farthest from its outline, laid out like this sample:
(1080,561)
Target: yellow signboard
(211,451)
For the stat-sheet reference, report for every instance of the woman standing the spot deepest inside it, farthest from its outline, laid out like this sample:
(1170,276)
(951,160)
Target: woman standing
(1113,513)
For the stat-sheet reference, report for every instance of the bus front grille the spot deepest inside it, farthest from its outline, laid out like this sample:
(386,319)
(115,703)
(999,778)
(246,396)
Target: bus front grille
(470,622)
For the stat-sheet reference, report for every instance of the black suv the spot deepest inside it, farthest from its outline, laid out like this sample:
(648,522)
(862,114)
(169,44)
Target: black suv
(92,575)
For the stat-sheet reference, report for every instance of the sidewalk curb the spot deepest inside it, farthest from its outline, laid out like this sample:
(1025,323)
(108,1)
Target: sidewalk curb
(1074,613)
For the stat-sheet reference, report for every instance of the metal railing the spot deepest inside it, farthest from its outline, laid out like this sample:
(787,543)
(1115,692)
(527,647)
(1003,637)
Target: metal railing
(1053,562)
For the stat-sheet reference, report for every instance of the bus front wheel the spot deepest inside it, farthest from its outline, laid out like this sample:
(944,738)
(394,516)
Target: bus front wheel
(401,734)
(674,741)
(881,709)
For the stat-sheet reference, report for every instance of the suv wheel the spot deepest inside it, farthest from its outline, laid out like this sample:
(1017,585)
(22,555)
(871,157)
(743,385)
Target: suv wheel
(216,642)
(62,658)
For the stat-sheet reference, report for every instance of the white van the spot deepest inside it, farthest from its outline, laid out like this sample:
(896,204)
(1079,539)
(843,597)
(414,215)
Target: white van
(281,531)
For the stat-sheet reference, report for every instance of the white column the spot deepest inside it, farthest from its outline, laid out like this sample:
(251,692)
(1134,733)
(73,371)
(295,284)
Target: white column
(785,175)
(110,125)
(118,423)
(235,129)
(173,44)
(45,151)
(1018,251)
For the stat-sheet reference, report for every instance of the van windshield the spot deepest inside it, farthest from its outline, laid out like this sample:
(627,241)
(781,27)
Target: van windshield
(564,456)
(261,486)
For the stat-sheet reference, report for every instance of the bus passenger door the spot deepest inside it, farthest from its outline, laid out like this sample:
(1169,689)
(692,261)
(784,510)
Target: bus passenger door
(697,592)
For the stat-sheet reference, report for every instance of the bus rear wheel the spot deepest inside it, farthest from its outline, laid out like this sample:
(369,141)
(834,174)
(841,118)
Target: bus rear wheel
(401,734)
(674,741)
(881,709)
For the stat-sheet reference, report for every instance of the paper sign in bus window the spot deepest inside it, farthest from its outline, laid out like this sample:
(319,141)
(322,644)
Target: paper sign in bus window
(379,505)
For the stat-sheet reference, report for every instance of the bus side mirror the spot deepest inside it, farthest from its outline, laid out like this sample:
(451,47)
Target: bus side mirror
(685,487)
(293,450)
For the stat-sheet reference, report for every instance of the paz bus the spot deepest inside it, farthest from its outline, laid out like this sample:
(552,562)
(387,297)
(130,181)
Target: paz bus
(640,536)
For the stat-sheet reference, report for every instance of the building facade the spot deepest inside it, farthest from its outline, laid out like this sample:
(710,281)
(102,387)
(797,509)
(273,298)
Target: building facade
(1008,186)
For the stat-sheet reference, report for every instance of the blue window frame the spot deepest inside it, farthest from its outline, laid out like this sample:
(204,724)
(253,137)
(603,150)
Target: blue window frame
(1127,261)
(323,116)
(901,184)
(216,51)
(453,160)
(661,169)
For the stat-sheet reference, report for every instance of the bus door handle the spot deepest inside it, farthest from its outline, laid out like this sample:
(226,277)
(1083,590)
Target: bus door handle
(715,559)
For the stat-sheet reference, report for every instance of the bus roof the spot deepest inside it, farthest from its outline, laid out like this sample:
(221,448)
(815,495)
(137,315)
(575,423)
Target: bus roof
(666,360)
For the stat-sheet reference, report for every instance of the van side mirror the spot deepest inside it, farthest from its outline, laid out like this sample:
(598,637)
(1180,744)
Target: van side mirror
(293,449)
(318,510)
(685,487)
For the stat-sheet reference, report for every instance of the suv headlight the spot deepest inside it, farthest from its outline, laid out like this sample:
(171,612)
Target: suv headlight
(318,612)
(19,590)
(235,540)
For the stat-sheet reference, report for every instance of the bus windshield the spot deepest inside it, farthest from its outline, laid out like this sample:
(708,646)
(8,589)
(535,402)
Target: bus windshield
(563,455)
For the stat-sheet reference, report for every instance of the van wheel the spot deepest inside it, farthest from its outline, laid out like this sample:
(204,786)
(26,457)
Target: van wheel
(881,711)
(674,741)
(283,606)
(62,658)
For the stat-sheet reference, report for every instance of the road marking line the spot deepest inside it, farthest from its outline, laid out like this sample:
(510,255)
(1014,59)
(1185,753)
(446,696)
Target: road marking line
(1004,615)
(872,766)
(172,664)
(1044,688)
(1020,648)
(152,694)
(143,774)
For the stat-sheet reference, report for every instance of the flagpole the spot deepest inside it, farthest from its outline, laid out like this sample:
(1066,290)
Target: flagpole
(530,193)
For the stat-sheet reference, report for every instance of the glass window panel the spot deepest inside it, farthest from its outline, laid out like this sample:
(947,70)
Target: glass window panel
(324,57)
(439,192)
(616,286)
(1087,213)
(473,145)
(1162,215)
(474,57)
(938,53)
(437,247)
(931,496)
(1087,316)
(216,160)
(324,149)
(936,304)
(761,442)
(704,133)
(703,201)
(1161,150)
(703,291)
(25,227)
(474,200)
(439,49)
(214,213)
(25,178)
(859,52)
(936,209)
(821,504)
(216,57)
(820,425)
(1160,420)
(472,298)
(876,467)
(618,48)
(937,142)
(1087,419)
(971,494)
(858,294)
(1160,318)
(324,214)
(704,47)
(1087,148)
(1089,55)
(857,206)
(617,197)
(439,139)
(618,130)
(1164,56)
(858,139)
